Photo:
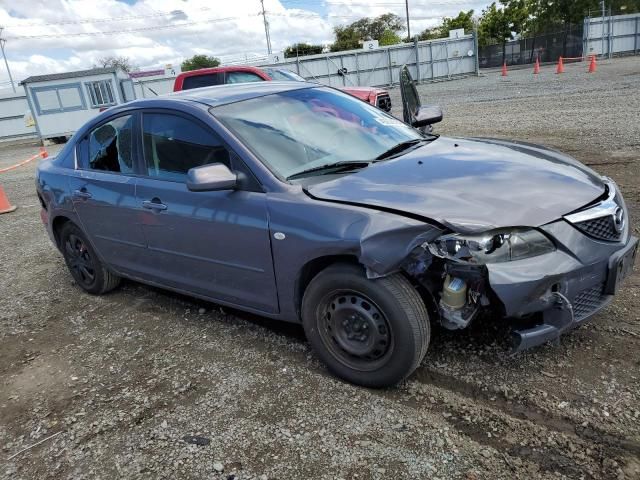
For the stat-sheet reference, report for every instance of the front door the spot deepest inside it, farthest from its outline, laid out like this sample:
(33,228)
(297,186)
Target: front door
(103,190)
(210,243)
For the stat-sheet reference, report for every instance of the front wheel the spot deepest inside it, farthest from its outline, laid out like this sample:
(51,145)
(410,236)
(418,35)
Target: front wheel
(372,333)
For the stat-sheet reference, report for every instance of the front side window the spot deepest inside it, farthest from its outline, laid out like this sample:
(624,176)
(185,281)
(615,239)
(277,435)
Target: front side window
(111,146)
(174,144)
(242,77)
(101,93)
(306,128)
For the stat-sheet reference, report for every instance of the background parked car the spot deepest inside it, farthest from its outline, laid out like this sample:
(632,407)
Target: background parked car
(206,77)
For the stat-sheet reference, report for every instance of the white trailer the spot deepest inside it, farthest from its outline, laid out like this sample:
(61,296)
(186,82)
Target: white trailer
(62,102)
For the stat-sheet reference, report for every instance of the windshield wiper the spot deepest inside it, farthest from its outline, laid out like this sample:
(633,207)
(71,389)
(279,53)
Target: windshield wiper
(331,168)
(401,147)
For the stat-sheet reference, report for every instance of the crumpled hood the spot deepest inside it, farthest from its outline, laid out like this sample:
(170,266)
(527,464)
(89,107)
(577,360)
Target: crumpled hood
(471,185)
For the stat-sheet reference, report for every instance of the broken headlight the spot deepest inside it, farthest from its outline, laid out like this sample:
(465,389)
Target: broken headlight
(494,246)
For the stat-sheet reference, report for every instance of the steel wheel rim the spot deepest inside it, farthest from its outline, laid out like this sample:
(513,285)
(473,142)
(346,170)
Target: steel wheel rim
(79,260)
(355,330)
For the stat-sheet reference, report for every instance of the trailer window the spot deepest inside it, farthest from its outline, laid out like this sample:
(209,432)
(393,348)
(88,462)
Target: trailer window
(58,98)
(101,93)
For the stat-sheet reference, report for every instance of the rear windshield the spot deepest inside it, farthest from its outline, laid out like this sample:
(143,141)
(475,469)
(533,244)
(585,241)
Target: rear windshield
(205,80)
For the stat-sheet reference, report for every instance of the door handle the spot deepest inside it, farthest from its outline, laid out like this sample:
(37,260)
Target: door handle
(81,194)
(154,205)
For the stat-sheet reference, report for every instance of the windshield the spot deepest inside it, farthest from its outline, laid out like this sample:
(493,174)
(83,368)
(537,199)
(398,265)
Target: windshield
(285,75)
(301,129)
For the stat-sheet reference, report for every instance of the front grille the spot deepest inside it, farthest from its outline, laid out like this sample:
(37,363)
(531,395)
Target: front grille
(588,301)
(384,103)
(602,228)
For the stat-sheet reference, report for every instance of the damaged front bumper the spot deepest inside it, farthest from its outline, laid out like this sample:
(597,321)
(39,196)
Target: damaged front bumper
(566,287)
(543,296)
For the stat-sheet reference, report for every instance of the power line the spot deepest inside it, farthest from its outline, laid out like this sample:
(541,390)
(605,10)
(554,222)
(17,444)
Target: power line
(131,30)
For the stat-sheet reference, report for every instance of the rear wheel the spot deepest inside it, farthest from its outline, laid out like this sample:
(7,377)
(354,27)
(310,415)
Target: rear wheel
(372,333)
(83,263)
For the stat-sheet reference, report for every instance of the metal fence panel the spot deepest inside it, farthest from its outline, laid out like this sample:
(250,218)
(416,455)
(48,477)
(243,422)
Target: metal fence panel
(611,35)
(428,60)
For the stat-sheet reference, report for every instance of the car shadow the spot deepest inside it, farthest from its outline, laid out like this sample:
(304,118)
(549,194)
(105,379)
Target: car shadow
(292,331)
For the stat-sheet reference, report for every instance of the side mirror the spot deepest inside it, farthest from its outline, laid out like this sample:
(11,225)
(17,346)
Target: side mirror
(427,115)
(212,177)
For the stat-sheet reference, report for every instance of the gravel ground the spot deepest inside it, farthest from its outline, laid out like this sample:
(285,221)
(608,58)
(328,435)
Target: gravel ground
(142,383)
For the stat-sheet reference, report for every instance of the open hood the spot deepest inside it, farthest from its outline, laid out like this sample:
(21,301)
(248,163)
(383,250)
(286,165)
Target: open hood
(471,185)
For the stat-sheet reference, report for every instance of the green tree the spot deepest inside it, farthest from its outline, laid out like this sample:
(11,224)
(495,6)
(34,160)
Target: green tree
(462,20)
(199,61)
(301,49)
(494,27)
(389,37)
(351,36)
(430,33)
(384,22)
(346,39)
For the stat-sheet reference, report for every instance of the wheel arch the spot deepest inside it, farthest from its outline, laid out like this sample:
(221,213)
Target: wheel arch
(312,268)
(56,227)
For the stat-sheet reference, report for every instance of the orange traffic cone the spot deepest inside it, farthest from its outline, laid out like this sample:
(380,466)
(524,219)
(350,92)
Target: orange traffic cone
(5,206)
(504,69)
(536,68)
(43,152)
(592,66)
(560,68)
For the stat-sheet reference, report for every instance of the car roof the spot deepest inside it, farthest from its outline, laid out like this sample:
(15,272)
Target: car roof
(228,68)
(217,95)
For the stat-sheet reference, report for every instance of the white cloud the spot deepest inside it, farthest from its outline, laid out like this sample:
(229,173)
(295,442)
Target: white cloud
(149,36)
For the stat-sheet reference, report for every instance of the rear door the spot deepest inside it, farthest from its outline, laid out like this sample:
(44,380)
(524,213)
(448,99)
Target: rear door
(103,190)
(210,243)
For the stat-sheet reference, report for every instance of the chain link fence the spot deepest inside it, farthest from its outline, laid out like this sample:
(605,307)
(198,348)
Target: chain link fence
(547,47)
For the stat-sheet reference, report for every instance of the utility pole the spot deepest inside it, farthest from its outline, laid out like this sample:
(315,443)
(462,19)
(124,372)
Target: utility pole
(603,13)
(406,4)
(2,42)
(266,27)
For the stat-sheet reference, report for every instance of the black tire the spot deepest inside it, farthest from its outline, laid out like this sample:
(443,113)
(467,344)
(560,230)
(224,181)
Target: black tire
(83,263)
(372,333)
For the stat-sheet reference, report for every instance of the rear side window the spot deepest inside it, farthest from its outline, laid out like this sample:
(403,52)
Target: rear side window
(111,145)
(174,144)
(198,81)
(242,77)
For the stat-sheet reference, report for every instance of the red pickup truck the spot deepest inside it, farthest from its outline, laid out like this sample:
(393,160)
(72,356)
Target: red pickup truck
(206,77)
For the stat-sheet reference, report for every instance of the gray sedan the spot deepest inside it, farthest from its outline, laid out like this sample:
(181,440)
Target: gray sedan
(301,203)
